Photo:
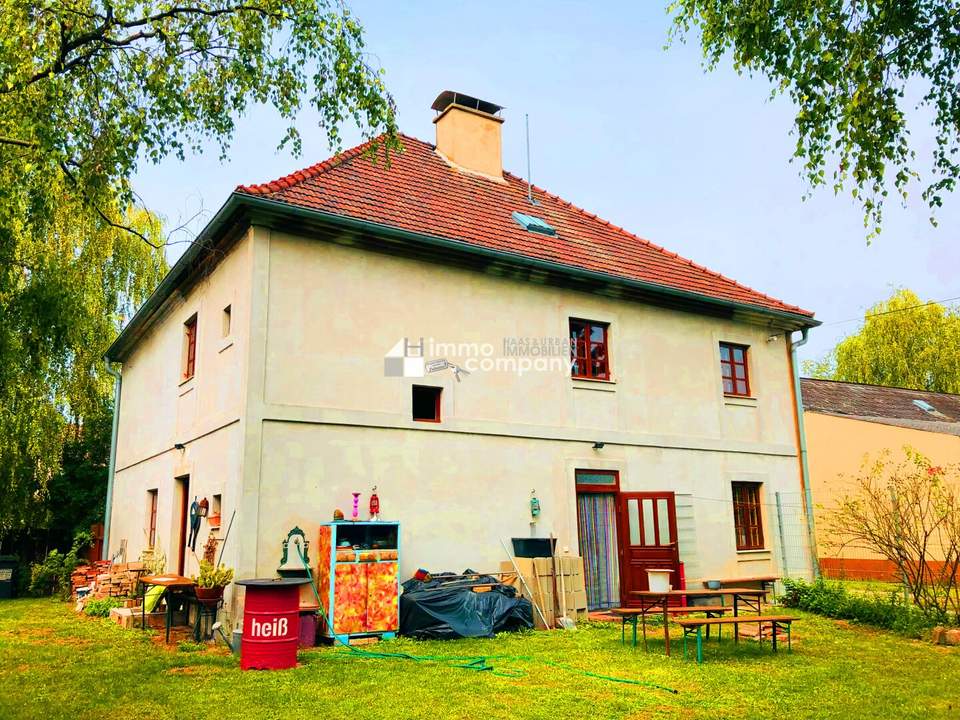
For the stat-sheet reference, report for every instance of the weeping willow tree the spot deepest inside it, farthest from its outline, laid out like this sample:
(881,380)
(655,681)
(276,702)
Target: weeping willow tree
(90,90)
(66,279)
(904,342)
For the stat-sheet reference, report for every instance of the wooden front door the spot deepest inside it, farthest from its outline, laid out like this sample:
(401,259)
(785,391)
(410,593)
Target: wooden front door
(648,540)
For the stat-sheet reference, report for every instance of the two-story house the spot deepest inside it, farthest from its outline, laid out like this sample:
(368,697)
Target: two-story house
(433,326)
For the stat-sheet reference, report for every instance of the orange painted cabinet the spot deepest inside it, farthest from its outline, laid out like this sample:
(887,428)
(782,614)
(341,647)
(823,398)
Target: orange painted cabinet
(358,577)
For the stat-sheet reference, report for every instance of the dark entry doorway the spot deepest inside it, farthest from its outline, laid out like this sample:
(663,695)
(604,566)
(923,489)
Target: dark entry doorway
(182,503)
(597,532)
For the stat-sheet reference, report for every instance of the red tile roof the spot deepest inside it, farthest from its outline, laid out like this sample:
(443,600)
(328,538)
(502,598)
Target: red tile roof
(419,191)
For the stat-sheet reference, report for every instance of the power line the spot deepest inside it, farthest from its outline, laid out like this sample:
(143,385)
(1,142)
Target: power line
(890,312)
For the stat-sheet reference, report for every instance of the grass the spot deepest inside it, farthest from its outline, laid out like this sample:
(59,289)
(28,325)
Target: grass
(55,664)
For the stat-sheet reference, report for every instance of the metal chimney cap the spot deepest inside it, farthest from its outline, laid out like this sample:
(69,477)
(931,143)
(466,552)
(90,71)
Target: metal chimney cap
(450,97)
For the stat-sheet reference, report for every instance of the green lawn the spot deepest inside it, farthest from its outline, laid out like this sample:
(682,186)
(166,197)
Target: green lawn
(54,664)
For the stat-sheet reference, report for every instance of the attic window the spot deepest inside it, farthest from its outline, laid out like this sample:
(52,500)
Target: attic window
(534,224)
(925,406)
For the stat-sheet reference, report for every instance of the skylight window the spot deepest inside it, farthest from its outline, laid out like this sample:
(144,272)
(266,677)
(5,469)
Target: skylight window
(925,406)
(534,224)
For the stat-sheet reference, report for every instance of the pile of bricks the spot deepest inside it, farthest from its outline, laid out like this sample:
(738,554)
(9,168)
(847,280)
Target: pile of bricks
(117,580)
(120,581)
(86,575)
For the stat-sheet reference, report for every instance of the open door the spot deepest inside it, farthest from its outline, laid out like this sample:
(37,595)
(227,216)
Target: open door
(648,540)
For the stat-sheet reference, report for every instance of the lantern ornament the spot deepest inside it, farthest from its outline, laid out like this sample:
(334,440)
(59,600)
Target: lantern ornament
(356,507)
(534,505)
(374,505)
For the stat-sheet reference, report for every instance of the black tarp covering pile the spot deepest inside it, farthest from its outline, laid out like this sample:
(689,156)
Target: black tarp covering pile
(446,608)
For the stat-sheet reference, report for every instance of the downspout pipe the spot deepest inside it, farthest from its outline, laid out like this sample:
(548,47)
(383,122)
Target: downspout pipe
(804,466)
(111,470)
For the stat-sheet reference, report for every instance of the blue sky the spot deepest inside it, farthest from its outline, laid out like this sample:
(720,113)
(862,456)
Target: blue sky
(697,162)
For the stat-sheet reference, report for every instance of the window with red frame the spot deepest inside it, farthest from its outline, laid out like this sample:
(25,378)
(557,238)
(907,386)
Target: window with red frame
(152,524)
(733,368)
(747,517)
(589,352)
(189,347)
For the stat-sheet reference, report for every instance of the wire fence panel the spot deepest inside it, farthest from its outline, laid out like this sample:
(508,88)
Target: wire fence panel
(784,527)
(792,540)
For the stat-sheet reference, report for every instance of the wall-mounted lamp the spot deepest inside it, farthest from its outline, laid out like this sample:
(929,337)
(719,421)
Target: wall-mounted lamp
(598,446)
(773,338)
(179,446)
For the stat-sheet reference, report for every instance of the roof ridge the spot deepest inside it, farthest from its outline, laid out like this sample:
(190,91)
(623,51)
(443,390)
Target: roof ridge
(308,173)
(654,245)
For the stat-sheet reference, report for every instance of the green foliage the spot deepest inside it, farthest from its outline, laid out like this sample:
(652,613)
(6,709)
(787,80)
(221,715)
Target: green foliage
(915,348)
(52,575)
(101,607)
(846,67)
(186,646)
(834,673)
(908,513)
(89,89)
(212,576)
(833,600)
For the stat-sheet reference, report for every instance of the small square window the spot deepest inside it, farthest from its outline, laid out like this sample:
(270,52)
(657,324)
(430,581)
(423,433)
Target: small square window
(733,369)
(589,352)
(226,321)
(426,403)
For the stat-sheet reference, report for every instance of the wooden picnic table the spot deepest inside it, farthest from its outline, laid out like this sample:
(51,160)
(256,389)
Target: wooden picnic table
(654,600)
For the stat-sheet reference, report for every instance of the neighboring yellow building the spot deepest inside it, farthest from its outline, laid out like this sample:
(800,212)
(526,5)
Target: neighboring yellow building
(409,325)
(846,423)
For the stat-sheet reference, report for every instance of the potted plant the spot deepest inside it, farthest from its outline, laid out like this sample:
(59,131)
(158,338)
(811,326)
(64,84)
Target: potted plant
(211,581)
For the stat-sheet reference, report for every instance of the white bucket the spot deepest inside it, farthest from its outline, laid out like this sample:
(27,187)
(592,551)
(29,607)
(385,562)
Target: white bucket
(659,580)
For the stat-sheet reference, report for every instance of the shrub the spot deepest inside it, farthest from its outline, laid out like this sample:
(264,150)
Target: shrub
(101,607)
(212,576)
(52,576)
(834,600)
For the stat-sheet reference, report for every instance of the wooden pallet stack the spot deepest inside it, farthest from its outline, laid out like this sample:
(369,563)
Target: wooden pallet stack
(538,577)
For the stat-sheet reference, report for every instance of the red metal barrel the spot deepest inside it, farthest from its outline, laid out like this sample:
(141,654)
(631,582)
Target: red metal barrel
(271,623)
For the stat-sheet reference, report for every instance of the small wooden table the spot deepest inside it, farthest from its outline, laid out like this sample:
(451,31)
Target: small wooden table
(172,585)
(654,600)
(765,581)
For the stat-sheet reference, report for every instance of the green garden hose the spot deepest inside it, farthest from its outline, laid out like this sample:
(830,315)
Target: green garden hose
(479,663)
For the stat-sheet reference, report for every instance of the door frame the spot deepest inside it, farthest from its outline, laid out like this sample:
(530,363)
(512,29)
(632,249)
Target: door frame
(623,532)
(591,489)
(182,486)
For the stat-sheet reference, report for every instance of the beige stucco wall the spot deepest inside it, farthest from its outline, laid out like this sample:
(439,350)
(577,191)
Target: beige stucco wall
(158,410)
(836,450)
(296,414)
(333,423)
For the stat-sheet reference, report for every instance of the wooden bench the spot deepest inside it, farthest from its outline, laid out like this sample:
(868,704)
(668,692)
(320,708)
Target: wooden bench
(775,622)
(630,615)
